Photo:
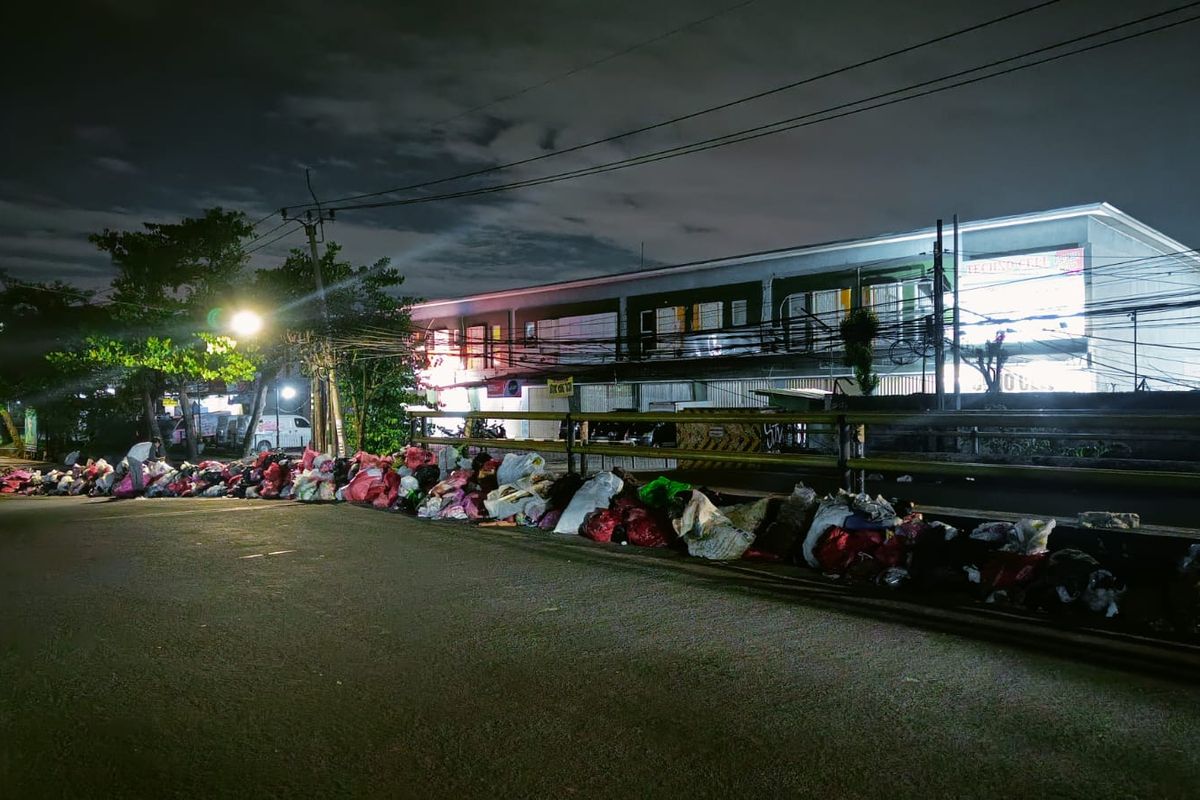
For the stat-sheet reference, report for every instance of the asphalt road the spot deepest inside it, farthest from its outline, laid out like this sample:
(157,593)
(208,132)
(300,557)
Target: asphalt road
(213,648)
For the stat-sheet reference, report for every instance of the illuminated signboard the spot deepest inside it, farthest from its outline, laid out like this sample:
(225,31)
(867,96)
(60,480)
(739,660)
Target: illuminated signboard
(1028,297)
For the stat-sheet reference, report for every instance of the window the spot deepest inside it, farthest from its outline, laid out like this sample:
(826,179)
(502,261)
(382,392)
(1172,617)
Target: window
(494,346)
(706,316)
(441,342)
(586,338)
(737,313)
(884,300)
(668,326)
(649,332)
(473,348)
(301,422)
(530,332)
(830,306)
(796,322)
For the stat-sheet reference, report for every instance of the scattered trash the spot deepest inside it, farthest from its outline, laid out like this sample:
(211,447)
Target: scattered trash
(848,537)
(1109,519)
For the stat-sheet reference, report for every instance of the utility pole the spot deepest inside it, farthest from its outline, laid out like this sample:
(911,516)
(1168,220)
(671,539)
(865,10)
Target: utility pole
(957,324)
(327,408)
(939,321)
(1133,316)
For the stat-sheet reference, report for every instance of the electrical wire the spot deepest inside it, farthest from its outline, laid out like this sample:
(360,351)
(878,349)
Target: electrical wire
(704,111)
(812,118)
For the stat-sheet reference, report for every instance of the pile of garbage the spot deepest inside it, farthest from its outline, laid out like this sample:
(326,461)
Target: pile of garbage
(850,537)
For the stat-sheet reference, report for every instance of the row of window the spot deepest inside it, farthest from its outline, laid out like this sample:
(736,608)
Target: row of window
(808,317)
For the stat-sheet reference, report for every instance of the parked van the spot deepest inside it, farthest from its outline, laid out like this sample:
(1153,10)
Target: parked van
(173,431)
(295,432)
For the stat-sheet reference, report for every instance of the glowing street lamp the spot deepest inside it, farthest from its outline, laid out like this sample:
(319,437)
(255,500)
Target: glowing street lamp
(246,323)
(287,393)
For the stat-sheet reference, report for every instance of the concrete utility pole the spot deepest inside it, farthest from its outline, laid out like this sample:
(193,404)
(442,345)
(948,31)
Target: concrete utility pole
(327,407)
(939,321)
(957,328)
(1133,316)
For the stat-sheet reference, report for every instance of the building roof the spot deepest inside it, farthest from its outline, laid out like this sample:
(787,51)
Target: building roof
(922,234)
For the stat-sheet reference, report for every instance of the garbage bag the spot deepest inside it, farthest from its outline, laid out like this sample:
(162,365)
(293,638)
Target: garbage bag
(512,499)
(595,493)
(860,554)
(647,527)
(600,524)
(708,533)
(1005,570)
(416,457)
(658,492)
(783,535)
(562,490)
(517,466)
(1074,578)
(831,513)
(365,486)
(748,516)
(836,511)
(427,476)
(1029,536)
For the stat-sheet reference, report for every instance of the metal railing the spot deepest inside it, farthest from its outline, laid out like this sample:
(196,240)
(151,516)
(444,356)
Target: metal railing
(846,430)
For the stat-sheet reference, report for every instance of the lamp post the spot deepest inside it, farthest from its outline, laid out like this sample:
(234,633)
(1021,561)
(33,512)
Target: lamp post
(246,323)
(288,393)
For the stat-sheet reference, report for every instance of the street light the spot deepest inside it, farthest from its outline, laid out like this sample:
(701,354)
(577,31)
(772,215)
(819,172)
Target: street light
(245,323)
(288,392)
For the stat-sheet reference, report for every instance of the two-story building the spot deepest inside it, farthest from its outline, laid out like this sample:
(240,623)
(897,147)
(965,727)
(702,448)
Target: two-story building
(1067,288)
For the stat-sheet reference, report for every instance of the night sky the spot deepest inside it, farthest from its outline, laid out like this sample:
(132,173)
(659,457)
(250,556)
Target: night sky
(119,112)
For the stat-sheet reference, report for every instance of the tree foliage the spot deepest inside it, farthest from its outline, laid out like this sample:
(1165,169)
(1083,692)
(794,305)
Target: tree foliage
(175,284)
(361,301)
(73,403)
(858,331)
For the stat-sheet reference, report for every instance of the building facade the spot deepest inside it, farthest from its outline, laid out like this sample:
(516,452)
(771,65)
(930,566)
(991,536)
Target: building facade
(1068,290)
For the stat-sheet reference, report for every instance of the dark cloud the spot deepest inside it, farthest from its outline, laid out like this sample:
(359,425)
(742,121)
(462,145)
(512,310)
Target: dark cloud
(131,110)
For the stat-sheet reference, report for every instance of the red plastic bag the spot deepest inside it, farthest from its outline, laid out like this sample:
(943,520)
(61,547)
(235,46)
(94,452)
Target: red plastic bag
(1005,570)
(365,486)
(600,524)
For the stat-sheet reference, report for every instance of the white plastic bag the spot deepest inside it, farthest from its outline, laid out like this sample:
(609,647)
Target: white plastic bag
(596,493)
(831,513)
(519,465)
(709,533)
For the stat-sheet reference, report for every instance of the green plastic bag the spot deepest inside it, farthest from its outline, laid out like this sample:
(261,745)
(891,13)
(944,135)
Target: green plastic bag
(658,492)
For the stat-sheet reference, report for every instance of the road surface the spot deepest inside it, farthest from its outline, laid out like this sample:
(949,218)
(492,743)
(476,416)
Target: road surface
(220,648)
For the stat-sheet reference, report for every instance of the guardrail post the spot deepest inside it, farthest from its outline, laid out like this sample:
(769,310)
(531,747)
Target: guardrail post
(974,440)
(843,454)
(570,445)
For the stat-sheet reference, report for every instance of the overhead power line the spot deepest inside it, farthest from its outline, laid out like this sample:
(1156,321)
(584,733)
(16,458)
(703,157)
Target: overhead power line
(704,111)
(817,117)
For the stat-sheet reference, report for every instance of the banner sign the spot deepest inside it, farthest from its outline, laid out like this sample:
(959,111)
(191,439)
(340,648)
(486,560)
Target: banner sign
(562,388)
(504,387)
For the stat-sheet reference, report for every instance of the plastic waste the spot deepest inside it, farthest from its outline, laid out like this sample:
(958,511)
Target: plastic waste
(658,492)
(708,533)
(517,466)
(595,493)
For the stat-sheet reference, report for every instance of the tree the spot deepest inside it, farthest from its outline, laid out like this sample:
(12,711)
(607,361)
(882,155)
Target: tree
(990,360)
(71,403)
(175,282)
(204,357)
(362,307)
(858,331)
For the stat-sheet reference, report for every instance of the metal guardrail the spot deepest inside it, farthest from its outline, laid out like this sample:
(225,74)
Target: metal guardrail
(849,465)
